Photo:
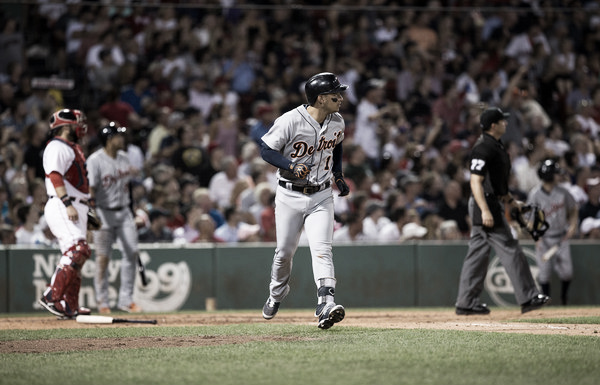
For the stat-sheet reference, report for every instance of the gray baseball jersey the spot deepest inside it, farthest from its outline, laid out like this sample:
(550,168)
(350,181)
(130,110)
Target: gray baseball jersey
(301,139)
(556,205)
(109,178)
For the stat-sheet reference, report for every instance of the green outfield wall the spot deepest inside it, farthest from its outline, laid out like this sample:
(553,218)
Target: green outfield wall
(225,277)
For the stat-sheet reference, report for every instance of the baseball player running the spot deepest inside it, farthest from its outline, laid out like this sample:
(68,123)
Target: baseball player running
(490,172)
(66,210)
(553,250)
(110,174)
(306,145)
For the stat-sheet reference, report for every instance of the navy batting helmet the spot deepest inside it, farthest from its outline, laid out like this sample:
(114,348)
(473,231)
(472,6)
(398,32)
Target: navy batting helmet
(110,130)
(548,169)
(321,84)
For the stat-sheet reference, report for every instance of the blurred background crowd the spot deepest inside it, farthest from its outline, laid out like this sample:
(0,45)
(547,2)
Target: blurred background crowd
(198,85)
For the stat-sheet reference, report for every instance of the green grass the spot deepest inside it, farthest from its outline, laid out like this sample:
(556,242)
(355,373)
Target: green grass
(565,320)
(341,355)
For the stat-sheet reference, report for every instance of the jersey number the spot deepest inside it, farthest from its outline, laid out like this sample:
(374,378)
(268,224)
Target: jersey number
(477,164)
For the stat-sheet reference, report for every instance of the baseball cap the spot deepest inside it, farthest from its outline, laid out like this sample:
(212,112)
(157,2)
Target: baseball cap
(413,230)
(588,224)
(593,181)
(492,115)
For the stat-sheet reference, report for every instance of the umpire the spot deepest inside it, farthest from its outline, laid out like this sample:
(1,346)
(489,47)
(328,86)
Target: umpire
(490,171)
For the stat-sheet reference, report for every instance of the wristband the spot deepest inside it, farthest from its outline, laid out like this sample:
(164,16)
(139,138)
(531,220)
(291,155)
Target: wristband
(66,200)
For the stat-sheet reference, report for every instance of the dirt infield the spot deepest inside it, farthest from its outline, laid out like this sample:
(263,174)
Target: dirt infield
(500,320)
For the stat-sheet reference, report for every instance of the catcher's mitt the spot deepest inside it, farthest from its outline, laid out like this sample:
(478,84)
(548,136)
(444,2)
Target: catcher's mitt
(532,219)
(300,170)
(93,221)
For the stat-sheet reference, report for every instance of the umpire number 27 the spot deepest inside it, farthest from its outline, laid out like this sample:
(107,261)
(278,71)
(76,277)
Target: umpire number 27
(477,164)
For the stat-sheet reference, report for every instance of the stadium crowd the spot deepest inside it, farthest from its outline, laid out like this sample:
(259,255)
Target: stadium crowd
(197,87)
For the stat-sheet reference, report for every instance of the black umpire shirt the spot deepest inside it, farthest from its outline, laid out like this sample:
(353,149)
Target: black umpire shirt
(490,160)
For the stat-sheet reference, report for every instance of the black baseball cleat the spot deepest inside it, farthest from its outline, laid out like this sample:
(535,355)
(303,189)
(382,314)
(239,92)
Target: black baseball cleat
(330,314)
(535,303)
(50,307)
(270,309)
(480,309)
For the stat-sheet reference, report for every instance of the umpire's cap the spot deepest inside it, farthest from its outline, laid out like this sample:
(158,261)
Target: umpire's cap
(110,130)
(491,115)
(320,84)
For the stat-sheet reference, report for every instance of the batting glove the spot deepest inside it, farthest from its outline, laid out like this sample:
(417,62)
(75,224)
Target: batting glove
(341,184)
(300,170)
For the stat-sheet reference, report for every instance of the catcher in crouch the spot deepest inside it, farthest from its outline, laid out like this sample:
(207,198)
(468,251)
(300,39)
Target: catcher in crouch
(490,170)
(67,210)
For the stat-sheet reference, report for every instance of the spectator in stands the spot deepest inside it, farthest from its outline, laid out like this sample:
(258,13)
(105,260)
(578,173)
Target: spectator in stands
(234,230)
(351,230)
(158,230)
(374,219)
(265,116)
(222,183)
(591,208)
(453,207)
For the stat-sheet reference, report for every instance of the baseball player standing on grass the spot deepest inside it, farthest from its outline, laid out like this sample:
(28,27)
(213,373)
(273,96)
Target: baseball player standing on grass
(553,250)
(66,210)
(110,176)
(490,172)
(306,145)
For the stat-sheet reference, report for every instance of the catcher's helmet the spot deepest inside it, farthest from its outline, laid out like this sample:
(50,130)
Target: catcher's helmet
(68,116)
(548,169)
(320,84)
(110,130)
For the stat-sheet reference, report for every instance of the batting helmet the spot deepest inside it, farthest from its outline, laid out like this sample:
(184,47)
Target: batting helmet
(321,84)
(68,116)
(548,169)
(110,130)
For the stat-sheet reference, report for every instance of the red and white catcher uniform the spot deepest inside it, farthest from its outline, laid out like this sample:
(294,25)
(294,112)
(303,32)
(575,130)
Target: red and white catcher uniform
(66,211)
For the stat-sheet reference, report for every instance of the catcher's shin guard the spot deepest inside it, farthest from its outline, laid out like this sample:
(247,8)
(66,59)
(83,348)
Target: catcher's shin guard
(79,253)
(71,295)
(64,278)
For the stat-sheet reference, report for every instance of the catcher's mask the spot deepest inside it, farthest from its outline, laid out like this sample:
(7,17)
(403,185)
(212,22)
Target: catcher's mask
(532,219)
(69,116)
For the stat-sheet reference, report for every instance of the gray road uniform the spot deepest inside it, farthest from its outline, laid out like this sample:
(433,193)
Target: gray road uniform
(306,203)
(109,179)
(557,204)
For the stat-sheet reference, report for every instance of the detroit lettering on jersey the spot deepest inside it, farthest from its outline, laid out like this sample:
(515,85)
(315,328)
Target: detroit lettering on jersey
(111,179)
(303,149)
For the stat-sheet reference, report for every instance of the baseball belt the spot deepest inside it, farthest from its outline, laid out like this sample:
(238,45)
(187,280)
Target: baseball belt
(304,189)
(118,208)
(82,201)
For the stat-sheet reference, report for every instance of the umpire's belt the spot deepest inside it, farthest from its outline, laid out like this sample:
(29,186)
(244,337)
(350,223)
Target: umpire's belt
(308,190)
(82,201)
